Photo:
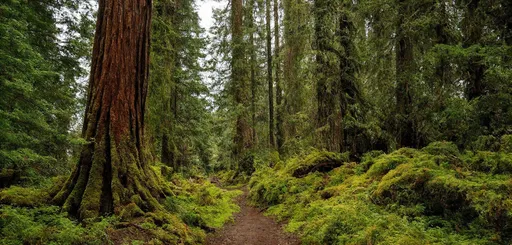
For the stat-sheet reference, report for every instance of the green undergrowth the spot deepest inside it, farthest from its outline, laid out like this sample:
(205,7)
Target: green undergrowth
(231,179)
(436,195)
(196,207)
(202,204)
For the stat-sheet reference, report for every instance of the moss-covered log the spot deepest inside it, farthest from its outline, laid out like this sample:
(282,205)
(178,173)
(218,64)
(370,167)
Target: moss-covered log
(319,162)
(113,172)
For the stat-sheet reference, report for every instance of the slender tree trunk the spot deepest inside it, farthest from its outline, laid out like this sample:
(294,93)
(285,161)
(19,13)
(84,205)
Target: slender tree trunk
(169,153)
(279,88)
(442,69)
(166,151)
(349,92)
(113,172)
(269,77)
(404,70)
(295,13)
(472,30)
(327,73)
(253,69)
(243,132)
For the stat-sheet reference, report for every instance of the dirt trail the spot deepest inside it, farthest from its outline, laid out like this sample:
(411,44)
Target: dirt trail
(251,227)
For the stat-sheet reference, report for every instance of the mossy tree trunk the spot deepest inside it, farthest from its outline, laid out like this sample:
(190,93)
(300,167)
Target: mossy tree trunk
(327,74)
(349,91)
(113,172)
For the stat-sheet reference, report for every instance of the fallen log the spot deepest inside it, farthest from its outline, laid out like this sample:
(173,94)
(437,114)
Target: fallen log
(323,163)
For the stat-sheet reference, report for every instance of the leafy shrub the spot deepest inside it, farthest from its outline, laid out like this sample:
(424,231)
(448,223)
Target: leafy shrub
(47,225)
(196,206)
(506,143)
(202,204)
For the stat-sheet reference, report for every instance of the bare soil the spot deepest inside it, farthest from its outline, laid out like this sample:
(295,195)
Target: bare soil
(251,227)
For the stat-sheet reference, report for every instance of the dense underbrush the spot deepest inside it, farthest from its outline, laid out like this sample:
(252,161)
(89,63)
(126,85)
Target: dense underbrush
(436,195)
(196,207)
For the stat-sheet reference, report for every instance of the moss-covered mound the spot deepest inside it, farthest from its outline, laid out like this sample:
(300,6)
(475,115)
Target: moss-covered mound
(436,195)
(196,207)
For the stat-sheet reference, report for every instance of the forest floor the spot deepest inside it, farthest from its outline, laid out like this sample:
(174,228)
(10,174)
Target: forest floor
(251,227)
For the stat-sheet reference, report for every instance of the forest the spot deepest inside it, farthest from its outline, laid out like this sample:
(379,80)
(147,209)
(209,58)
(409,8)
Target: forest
(255,122)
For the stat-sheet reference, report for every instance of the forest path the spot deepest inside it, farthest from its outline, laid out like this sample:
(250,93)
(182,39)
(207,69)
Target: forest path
(251,227)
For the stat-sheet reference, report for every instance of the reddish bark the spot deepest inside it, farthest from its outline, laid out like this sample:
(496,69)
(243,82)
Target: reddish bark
(113,172)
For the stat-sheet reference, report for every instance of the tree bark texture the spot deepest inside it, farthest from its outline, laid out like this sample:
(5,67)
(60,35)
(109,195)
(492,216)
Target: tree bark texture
(295,17)
(243,139)
(112,172)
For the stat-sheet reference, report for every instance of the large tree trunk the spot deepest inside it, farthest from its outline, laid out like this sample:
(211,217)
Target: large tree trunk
(269,76)
(113,172)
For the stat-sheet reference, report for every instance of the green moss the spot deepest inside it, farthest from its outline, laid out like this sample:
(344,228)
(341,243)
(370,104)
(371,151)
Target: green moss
(24,197)
(431,196)
(315,158)
(385,163)
(442,148)
(131,211)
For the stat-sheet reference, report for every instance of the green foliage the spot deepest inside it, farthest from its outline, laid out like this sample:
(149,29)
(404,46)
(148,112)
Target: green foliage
(202,204)
(196,207)
(40,68)
(506,143)
(435,195)
(47,225)
(178,118)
